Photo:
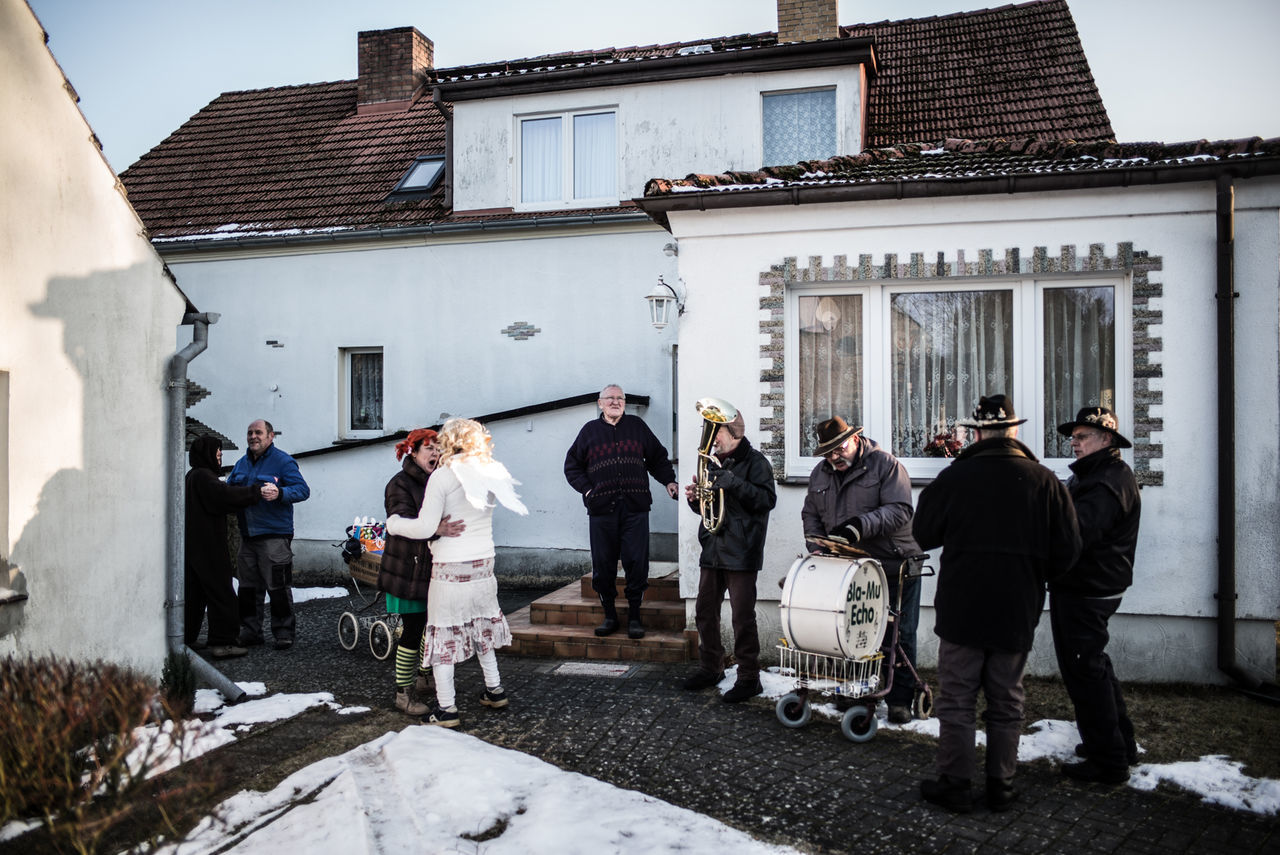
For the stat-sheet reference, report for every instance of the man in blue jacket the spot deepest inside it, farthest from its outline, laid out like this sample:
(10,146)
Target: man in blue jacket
(265,560)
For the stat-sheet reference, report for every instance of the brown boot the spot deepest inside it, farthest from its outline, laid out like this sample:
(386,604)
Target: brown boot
(407,705)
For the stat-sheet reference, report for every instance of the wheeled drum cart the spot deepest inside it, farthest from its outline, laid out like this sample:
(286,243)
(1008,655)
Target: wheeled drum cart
(841,639)
(367,618)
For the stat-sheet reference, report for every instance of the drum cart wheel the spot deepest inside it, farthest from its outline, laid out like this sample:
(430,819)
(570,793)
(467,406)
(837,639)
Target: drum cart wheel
(923,704)
(859,723)
(348,631)
(794,710)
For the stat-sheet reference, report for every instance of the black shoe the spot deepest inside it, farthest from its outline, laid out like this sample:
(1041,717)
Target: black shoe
(494,698)
(609,627)
(742,690)
(443,718)
(899,714)
(246,641)
(285,644)
(702,679)
(1130,754)
(635,629)
(1000,794)
(948,793)
(1092,773)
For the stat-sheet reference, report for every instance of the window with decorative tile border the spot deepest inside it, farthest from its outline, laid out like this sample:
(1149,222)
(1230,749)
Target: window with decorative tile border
(907,355)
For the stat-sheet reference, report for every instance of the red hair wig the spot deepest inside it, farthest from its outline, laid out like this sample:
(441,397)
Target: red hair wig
(411,443)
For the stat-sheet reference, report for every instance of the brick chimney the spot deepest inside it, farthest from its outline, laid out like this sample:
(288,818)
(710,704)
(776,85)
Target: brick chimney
(807,20)
(392,68)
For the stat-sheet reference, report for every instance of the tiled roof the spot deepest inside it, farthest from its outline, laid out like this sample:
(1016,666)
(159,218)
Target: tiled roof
(298,161)
(962,161)
(289,158)
(1016,71)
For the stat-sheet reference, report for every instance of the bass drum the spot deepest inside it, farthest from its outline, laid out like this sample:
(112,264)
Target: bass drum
(835,606)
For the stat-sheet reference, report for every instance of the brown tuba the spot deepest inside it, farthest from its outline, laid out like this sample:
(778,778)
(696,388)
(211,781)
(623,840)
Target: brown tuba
(715,413)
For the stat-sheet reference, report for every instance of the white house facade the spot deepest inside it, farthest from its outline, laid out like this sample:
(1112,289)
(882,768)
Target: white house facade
(87,320)
(1084,296)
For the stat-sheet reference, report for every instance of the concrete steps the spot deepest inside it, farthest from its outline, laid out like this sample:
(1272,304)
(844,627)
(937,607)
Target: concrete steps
(562,624)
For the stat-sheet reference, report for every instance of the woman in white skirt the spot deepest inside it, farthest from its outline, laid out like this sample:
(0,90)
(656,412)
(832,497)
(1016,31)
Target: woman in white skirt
(463,615)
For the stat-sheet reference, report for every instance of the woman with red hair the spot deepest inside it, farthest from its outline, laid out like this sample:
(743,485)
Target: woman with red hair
(405,573)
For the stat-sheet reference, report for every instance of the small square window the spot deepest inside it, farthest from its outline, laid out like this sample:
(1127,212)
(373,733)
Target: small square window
(799,126)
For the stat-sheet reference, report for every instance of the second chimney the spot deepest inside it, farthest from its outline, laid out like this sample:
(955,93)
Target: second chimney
(392,67)
(807,20)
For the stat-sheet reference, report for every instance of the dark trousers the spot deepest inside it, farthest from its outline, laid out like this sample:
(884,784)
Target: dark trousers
(265,566)
(904,684)
(212,591)
(620,535)
(1080,639)
(962,673)
(741,586)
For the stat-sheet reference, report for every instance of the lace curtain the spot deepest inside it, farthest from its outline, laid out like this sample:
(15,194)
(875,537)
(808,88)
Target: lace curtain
(830,363)
(948,349)
(540,179)
(366,391)
(799,126)
(595,172)
(1079,358)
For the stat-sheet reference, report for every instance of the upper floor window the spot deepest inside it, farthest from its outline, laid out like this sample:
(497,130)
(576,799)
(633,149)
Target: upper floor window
(799,126)
(362,391)
(907,360)
(570,157)
(421,178)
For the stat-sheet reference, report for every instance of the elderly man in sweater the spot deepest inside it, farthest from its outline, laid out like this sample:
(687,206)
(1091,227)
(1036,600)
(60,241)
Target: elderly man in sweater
(609,464)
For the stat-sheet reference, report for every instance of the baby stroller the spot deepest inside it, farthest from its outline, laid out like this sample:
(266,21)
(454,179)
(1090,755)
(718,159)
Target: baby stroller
(842,637)
(366,615)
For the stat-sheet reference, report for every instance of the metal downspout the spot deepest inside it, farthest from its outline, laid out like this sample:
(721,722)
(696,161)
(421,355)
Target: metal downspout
(1227,595)
(175,599)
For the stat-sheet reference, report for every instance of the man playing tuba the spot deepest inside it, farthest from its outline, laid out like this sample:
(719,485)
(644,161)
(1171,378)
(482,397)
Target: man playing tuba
(741,479)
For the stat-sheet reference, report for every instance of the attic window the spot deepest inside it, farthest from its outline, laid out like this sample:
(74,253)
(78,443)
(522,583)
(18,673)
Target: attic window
(421,178)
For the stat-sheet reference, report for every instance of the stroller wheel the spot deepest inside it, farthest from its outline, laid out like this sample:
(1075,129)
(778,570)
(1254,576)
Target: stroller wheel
(793,710)
(859,723)
(348,631)
(380,640)
(923,706)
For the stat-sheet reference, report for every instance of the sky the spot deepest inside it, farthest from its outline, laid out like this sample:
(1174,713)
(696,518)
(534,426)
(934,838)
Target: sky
(1168,70)
(394,793)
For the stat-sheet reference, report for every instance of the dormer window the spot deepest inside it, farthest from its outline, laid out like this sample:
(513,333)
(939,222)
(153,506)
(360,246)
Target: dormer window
(799,126)
(568,158)
(421,178)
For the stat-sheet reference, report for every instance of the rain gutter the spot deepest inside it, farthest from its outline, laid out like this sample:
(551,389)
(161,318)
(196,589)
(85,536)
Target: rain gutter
(175,583)
(658,207)
(169,247)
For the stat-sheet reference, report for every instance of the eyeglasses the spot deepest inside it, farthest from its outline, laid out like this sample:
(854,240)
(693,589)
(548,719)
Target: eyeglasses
(613,398)
(1083,436)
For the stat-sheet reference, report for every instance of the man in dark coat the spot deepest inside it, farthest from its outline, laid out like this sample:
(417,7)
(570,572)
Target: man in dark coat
(609,463)
(1105,495)
(207,564)
(731,558)
(1006,526)
(862,494)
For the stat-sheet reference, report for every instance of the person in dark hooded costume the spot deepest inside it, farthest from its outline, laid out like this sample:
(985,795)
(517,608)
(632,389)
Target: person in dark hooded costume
(208,570)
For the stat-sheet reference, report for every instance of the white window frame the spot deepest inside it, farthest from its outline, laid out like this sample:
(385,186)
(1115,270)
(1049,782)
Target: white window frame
(834,89)
(1028,376)
(345,431)
(567,198)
